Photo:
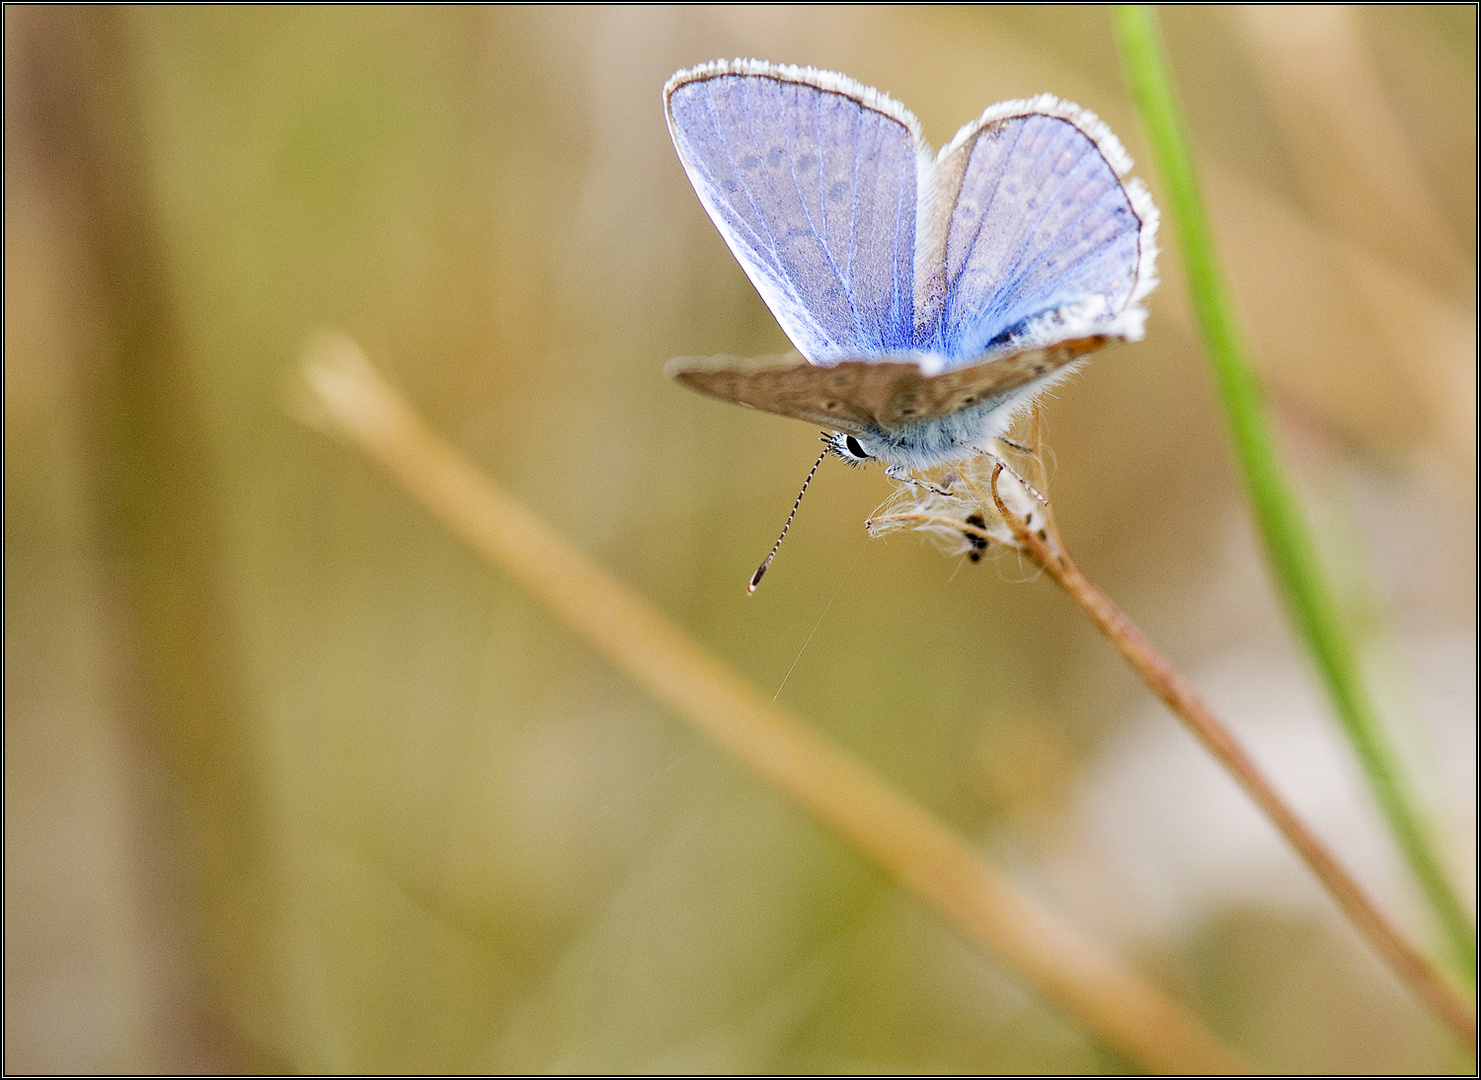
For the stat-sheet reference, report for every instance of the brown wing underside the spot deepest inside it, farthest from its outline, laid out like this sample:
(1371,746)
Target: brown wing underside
(857,394)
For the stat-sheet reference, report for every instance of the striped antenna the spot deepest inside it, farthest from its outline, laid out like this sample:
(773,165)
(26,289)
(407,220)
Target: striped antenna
(756,577)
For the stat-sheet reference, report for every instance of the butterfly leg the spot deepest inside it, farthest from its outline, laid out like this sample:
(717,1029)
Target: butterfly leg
(896,472)
(1011,471)
(1015,445)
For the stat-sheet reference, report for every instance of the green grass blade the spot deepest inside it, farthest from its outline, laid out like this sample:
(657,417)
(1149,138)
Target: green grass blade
(1309,600)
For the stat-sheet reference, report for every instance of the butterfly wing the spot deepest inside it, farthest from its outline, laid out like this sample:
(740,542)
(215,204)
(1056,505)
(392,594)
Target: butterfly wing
(1033,252)
(847,396)
(812,180)
(855,396)
(1034,237)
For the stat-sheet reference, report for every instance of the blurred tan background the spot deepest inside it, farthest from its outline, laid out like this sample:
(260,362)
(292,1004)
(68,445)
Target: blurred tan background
(293,782)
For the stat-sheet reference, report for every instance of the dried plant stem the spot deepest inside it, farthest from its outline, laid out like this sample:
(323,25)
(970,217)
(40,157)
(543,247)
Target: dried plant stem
(943,869)
(1048,552)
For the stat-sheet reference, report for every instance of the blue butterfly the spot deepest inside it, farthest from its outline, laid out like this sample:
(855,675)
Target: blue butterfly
(930,296)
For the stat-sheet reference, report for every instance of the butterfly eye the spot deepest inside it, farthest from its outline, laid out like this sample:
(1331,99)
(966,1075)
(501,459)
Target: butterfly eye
(848,448)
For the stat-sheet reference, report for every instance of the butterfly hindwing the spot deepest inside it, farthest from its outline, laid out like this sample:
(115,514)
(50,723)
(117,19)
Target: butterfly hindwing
(1037,238)
(812,180)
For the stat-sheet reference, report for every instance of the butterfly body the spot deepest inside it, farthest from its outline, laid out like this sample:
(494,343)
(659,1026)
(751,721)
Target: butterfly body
(930,296)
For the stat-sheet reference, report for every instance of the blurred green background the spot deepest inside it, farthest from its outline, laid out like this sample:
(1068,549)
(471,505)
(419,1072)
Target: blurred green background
(293,782)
